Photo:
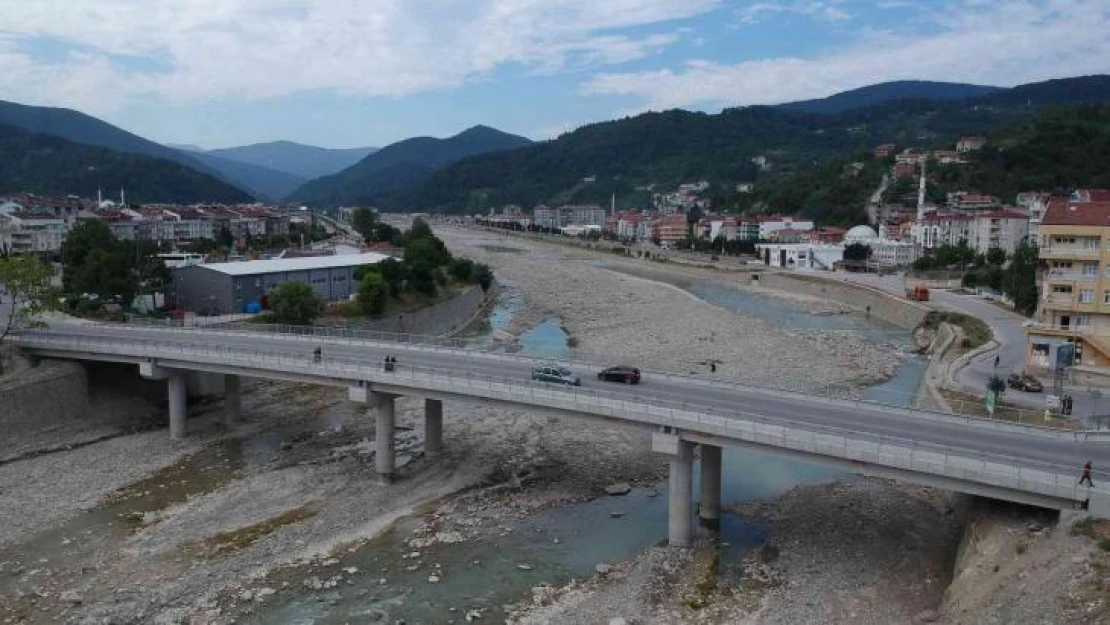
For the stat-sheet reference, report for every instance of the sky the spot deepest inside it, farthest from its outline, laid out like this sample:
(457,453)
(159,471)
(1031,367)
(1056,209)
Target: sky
(352,73)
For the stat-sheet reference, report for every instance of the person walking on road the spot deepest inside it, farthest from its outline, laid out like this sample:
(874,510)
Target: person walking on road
(1087,475)
(996,361)
(316,355)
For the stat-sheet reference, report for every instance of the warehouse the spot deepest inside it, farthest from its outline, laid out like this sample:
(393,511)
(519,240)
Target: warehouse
(227,288)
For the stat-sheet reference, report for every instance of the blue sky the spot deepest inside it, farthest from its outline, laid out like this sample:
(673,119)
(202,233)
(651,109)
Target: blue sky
(346,73)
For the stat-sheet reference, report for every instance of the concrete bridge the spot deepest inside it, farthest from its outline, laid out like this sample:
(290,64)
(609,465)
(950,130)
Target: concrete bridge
(1015,462)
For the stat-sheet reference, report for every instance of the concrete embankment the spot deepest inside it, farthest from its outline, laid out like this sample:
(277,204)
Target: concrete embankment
(35,399)
(889,308)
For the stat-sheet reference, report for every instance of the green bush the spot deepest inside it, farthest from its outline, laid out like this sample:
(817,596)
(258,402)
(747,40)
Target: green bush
(295,303)
(373,293)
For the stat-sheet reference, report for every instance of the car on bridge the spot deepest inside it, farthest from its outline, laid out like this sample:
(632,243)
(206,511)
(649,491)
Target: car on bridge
(556,374)
(628,375)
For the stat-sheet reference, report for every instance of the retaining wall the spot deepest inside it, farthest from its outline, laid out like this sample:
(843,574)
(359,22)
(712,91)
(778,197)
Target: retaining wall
(889,308)
(443,318)
(39,398)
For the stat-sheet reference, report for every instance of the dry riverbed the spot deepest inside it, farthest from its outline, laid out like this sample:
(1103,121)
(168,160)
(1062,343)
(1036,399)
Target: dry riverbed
(137,529)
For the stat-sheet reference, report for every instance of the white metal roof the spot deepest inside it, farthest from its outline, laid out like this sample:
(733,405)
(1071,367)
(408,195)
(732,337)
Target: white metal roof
(279,265)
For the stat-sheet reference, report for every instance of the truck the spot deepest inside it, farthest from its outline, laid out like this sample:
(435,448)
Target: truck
(918,293)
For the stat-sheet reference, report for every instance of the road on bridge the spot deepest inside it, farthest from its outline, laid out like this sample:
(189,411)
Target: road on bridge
(1010,442)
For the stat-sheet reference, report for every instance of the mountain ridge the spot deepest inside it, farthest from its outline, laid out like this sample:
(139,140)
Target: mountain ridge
(398,166)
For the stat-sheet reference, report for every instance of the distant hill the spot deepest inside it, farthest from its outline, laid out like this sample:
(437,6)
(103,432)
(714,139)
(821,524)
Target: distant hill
(262,182)
(627,157)
(303,161)
(81,128)
(887,91)
(399,166)
(49,165)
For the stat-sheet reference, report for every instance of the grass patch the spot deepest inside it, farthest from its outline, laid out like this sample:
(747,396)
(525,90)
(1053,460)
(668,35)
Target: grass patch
(976,331)
(226,543)
(966,404)
(1084,527)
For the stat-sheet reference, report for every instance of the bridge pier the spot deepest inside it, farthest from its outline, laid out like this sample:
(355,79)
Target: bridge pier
(178,400)
(433,427)
(233,400)
(383,436)
(709,504)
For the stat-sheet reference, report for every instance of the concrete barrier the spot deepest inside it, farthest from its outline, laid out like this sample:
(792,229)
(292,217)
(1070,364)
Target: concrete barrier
(889,308)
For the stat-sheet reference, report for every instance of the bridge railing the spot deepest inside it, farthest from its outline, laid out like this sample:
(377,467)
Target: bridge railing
(795,433)
(973,411)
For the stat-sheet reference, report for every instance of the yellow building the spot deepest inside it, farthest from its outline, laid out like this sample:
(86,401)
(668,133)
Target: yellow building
(1074,306)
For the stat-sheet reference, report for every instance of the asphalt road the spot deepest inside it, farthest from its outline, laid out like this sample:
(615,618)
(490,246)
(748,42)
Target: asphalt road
(868,421)
(1007,329)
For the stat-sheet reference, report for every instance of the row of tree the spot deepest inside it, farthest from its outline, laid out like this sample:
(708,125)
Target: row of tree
(98,268)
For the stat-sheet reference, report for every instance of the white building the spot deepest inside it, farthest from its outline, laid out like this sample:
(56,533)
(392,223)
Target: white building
(773,223)
(884,252)
(586,215)
(800,255)
(937,229)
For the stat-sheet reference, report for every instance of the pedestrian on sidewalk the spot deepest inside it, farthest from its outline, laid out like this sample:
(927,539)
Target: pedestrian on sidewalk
(1087,475)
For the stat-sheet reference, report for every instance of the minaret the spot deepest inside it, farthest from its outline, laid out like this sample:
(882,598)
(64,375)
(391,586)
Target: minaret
(921,195)
(122,198)
(613,205)
(99,198)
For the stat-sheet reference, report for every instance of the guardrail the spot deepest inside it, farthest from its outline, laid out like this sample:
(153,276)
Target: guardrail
(878,397)
(1047,479)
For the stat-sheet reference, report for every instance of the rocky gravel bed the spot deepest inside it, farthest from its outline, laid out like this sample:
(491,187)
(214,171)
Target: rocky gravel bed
(656,325)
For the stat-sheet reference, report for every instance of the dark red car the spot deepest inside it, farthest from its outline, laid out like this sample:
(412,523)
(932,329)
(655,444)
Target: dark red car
(628,375)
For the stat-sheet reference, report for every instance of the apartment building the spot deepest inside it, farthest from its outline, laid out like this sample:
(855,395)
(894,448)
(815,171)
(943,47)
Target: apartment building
(669,229)
(1074,306)
(31,232)
(1005,229)
(937,229)
(586,215)
(771,223)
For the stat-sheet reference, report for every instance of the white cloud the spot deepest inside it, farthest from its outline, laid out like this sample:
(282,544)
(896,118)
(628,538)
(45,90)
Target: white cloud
(1001,43)
(216,49)
(829,10)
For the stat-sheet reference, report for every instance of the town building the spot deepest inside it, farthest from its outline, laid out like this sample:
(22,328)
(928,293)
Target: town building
(947,157)
(1074,305)
(807,256)
(771,223)
(885,150)
(669,229)
(545,217)
(748,229)
(936,229)
(586,215)
(23,232)
(1004,229)
(969,144)
(236,287)
(904,170)
(1091,195)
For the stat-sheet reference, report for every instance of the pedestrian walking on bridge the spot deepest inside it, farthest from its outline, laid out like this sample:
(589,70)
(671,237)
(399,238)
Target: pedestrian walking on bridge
(1087,475)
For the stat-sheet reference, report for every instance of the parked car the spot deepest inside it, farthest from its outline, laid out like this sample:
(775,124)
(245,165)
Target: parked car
(628,375)
(556,374)
(1024,382)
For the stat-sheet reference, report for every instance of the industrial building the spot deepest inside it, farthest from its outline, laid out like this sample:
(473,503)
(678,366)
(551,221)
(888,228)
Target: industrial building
(227,288)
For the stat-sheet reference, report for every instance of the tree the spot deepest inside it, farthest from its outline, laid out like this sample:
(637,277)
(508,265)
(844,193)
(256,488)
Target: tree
(1020,279)
(25,291)
(421,278)
(857,253)
(996,257)
(481,274)
(373,294)
(394,273)
(461,269)
(85,237)
(363,222)
(225,239)
(295,303)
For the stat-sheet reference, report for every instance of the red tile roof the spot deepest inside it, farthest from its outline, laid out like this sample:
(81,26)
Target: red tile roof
(1006,213)
(1063,213)
(1096,195)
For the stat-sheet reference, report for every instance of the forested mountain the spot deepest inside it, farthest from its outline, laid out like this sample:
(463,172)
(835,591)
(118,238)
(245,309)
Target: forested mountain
(668,148)
(1060,150)
(887,91)
(49,165)
(377,178)
(81,128)
(303,161)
